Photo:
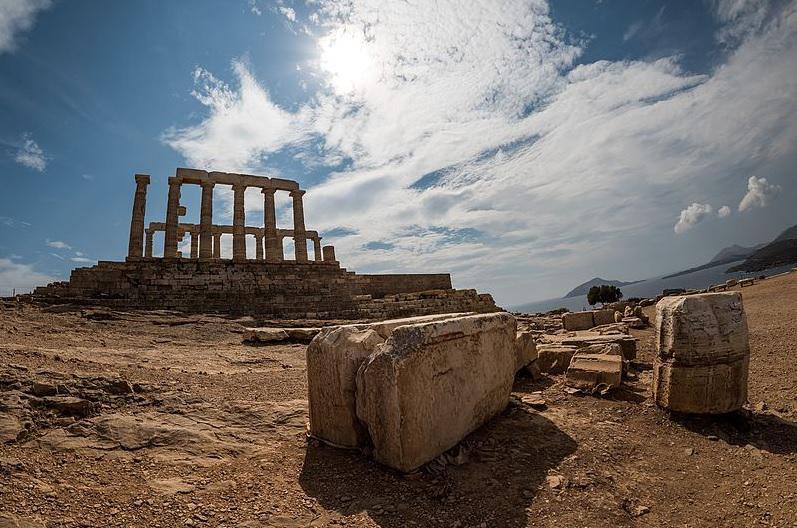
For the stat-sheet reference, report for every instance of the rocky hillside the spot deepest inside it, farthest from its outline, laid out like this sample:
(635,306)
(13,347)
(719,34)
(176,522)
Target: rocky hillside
(780,252)
(582,289)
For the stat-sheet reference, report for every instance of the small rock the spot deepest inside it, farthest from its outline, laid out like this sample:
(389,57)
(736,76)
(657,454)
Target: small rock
(641,510)
(554,481)
(689,451)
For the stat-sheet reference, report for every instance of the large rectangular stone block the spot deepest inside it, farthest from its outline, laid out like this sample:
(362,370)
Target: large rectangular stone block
(702,353)
(431,384)
(333,357)
(603,317)
(587,371)
(577,320)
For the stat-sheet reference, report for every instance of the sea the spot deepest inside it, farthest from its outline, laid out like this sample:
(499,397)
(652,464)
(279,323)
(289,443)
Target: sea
(652,287)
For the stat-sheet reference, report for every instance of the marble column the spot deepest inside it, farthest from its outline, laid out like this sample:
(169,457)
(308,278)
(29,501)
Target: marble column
(317,249)
(206,221)
(216,245)
(329,254)
(273,244)
(194,245)
(148,246)
(172,218)
(136,246)
(259,247)
(238,223)
(299,235)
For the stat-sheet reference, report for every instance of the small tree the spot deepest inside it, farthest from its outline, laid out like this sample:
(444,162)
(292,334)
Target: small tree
(603,294)
(593,295)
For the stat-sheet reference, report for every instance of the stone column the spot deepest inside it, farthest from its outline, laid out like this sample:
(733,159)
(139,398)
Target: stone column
(148,246)
(238,223)
(273,243)
(317,249)
(259,247)
(329,254)
(172,218)
(299,235)
(194,244)
(206,221)
(135,248)
(216,245)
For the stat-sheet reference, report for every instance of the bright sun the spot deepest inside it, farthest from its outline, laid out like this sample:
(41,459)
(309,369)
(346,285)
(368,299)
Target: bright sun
(344,55)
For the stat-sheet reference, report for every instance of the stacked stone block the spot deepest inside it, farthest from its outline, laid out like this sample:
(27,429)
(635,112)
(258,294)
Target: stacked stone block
(319,290)
(703,353)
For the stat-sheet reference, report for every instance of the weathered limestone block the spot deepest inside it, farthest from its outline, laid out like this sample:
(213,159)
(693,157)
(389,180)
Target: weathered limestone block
(265,335)
(587,371)
(709,389)
(634,322)
(525,349)
(333,358)
(602,317)
(432,384)
(554,358)
(577,320)
(627,343)
(703,353)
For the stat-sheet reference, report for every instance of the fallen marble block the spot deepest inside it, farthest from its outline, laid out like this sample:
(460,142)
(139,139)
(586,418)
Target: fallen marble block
(333,357)
(702,353)
(554,358)
(577,320)
(525,349)
(431,384)
(588,371)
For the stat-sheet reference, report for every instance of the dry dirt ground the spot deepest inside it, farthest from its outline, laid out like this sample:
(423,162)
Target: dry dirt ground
(159,419)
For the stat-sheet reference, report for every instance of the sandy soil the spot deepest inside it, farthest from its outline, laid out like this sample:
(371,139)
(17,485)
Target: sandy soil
(187,426)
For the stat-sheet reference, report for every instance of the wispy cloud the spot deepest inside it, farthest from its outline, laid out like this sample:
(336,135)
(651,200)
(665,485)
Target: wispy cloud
(760,193)
(724,211)
(82,259)
(30,154)
(17,16)
(57,244)
(21,277)
(7,221)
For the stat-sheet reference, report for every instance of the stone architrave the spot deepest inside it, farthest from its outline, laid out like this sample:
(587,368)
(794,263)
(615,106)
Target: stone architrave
(430,385)
(703,352)
(136,245)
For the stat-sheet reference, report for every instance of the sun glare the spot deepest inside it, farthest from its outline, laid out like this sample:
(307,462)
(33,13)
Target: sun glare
(344,56)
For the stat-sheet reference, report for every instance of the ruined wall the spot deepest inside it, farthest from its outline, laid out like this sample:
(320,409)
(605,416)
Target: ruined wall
(286,289)
(380,285)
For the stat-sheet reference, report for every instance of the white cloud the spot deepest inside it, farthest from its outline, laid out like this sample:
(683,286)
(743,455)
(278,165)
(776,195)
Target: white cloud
(58,244)
(82,259)
(288,12)
(17,16)
(691,216)
(253,7)
(21,277)
(526,161)
(31,155)
(244,125)
(724,211)
(760,193)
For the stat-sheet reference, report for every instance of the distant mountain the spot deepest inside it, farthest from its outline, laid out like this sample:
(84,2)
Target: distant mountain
(780,252)
(725,256)
(582,289)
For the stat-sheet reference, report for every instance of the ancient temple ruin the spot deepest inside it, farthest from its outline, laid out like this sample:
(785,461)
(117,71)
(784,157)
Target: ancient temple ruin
(206,237)
(270,284)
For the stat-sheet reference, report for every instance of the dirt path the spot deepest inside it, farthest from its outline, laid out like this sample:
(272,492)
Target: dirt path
(186,426)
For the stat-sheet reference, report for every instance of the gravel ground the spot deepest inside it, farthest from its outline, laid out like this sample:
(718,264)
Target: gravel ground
(186,426)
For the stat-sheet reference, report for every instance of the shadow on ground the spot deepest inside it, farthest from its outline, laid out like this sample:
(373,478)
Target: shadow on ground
(508,460)
(766,432)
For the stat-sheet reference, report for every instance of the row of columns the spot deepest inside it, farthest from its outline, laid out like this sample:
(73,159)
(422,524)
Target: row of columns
(207,244)
(276,250)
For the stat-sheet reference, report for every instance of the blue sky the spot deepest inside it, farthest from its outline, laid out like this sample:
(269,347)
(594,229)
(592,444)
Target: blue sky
(522,146)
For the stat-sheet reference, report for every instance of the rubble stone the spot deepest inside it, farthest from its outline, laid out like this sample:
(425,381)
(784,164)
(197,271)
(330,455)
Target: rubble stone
(431,384)
(577,320)
(703,353)
(525,349)
(587,371)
